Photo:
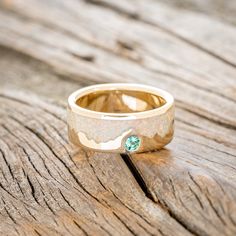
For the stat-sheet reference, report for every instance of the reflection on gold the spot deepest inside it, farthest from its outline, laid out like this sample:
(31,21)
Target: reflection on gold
(111,144)
(147,143)
(120,101)
(156,142)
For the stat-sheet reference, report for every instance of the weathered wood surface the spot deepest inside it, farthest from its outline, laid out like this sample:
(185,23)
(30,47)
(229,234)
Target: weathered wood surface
(48,187)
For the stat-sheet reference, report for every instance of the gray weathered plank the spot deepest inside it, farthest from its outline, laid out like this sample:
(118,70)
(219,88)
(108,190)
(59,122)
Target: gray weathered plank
(50,187)
(189,187)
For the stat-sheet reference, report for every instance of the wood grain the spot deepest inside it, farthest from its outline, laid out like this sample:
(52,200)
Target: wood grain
(50,187)
(50,48)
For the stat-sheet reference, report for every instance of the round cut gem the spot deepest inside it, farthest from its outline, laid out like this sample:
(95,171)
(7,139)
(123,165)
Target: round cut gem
(132,143)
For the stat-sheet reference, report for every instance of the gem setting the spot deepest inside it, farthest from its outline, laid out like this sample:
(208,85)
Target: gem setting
(132,143)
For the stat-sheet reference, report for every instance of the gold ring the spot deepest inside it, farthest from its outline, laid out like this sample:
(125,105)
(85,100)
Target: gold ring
(120,118)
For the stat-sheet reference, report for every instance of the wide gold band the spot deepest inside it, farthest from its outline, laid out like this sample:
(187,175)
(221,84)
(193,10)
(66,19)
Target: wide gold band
(121,118)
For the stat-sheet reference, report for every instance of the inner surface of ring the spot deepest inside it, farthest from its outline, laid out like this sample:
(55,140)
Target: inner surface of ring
(120,101)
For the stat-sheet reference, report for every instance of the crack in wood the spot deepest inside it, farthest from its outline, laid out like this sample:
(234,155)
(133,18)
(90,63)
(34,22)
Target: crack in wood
(141,182)
(163,187)
(136,175)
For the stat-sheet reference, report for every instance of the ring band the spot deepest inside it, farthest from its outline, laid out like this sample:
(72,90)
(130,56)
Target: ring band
(120,118)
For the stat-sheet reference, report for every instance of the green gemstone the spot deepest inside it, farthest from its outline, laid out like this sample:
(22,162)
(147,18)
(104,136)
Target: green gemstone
(132,143)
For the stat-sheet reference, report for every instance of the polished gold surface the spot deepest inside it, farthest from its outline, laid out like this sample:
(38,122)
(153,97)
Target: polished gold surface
(104,117)
(120,101)
(148,143)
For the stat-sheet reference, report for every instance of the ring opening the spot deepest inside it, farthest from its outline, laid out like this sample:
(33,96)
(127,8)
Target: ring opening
(120,101)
